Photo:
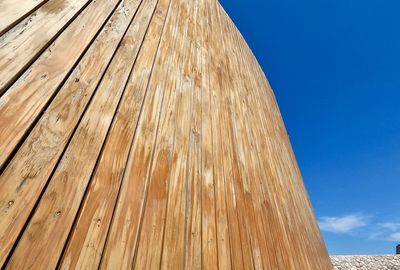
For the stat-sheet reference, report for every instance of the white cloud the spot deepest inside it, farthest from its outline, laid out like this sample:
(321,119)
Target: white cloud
(343,224)
(388,231)
(390,225)
(352,223)
(394,236)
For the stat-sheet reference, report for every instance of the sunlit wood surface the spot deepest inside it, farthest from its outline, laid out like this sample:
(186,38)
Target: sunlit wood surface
(143,134)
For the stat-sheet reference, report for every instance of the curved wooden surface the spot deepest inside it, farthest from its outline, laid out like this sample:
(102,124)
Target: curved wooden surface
(143,134)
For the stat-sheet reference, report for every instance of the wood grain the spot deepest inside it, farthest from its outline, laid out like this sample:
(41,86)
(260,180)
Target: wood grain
(225,259)
(173,244)
(209,249)
(144,134)
(123,236)
(87,241)
(20,46)
(12,12)
(57,208)
(27,97)
(149,252)
(193,189)
(27,173)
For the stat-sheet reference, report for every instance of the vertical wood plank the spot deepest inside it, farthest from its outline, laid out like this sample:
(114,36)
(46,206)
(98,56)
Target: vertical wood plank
(209,227)
(192,241)
(27,173)
(21,105)
(21,45)
(85,247)
(180,183)
(150,250)
(57,208)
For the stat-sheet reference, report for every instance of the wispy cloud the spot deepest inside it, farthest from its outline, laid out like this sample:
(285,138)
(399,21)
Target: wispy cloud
(343,224)
(394,236)
(388,231)
(361,225)
(390,225)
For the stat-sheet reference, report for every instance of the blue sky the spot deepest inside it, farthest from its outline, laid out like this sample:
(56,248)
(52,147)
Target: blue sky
(335,70)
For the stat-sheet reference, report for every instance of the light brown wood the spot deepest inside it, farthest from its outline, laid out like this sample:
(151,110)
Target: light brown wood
(12,12)
(123,236)
(86,243)
(144,134)
(59,204)
(240,186)
(192,191)
(173,243)
(20,46)
(26,174)
(27,97)
(166,76)
(249,170)
(225,259)
(282,262)
(209,248)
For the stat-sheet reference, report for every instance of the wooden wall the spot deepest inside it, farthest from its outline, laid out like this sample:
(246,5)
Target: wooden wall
(143,134)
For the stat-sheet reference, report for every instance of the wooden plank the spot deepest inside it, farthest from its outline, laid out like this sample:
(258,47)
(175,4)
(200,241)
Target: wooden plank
(275,253)
(223,239)
(173,248)
(244,237)
(260,92)
(20,46)
(247,188)
(281,243)
(86,243)
(306,220)
(236,179)
(264,246)
(227,174)
(288,245)
(151,237)
(27,173)
(12,12)
(25,100)
(209,249)
(59,205)
(284,245)
(121,246)
(193,189)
